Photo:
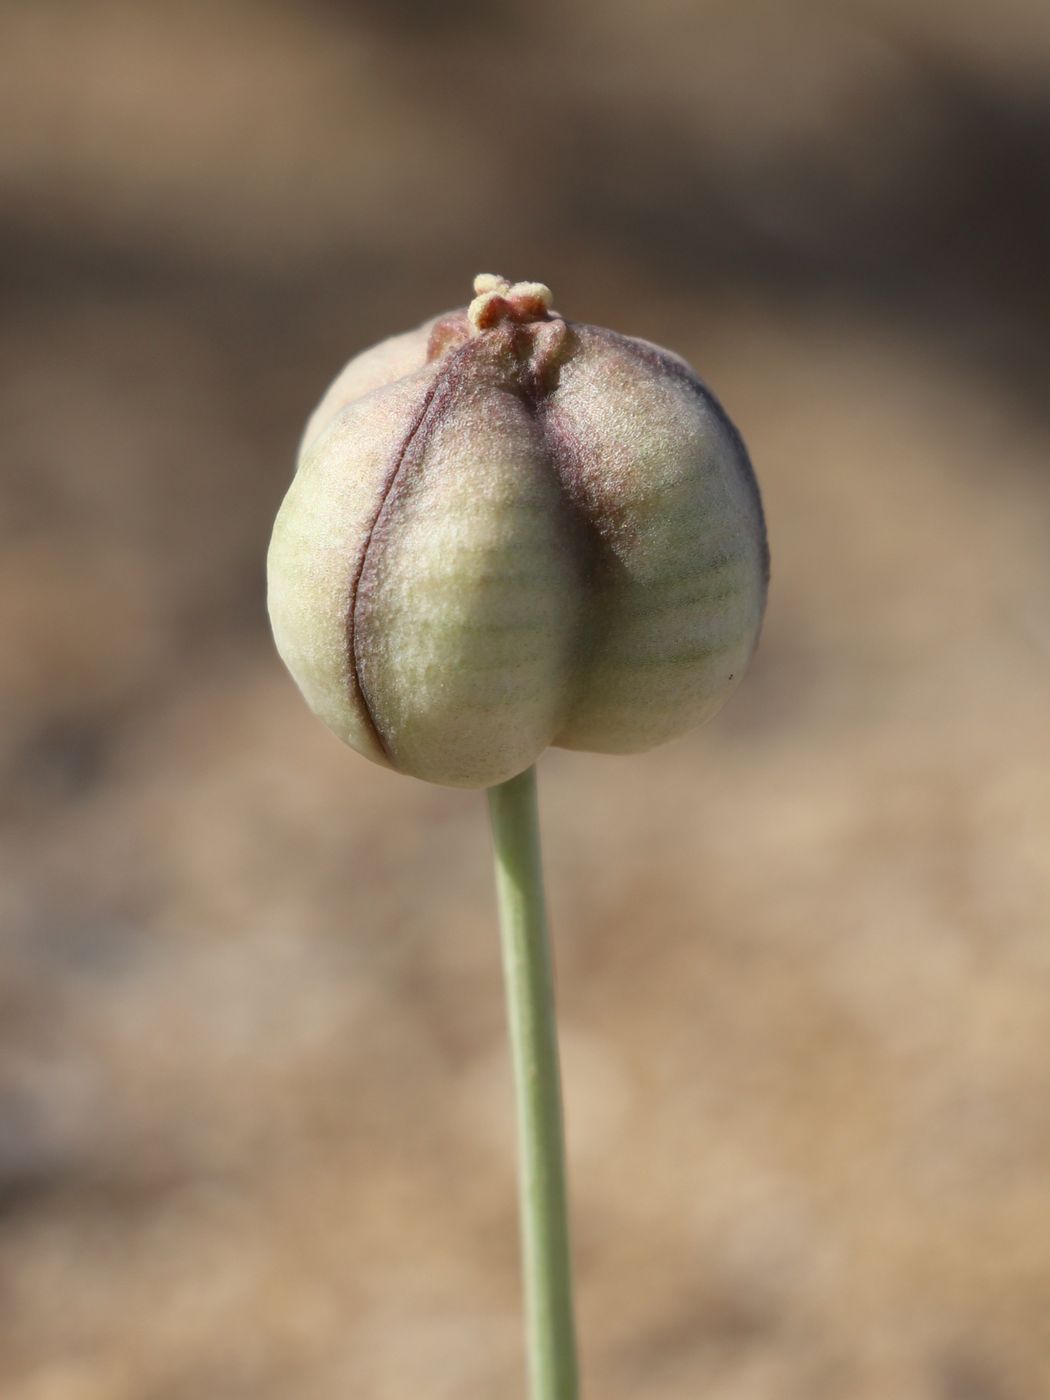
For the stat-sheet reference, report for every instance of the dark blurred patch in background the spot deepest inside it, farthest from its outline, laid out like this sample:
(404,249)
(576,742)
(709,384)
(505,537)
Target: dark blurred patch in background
(255,1130)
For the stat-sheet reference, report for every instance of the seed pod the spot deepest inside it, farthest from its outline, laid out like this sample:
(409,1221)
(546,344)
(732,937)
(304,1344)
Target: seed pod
(508,530)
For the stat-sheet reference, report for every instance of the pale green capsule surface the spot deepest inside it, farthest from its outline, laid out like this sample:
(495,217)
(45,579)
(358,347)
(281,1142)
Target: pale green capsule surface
(508,531)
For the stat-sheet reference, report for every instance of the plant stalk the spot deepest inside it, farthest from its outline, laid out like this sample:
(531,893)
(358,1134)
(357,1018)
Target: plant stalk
(534,1050)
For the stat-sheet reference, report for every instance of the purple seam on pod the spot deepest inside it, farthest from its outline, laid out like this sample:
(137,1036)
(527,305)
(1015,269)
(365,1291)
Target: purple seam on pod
(445,383)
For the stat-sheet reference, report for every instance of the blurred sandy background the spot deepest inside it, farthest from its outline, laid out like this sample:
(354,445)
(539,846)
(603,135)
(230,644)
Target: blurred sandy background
(255,1122)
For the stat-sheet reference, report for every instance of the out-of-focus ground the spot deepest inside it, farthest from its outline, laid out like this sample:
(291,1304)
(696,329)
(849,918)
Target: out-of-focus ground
(255,1124)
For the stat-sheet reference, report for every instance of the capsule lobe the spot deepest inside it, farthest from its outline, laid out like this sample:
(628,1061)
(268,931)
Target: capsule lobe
(673,614)
(469,600)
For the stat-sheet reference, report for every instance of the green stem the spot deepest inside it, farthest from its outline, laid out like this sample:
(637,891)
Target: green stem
(534,1049)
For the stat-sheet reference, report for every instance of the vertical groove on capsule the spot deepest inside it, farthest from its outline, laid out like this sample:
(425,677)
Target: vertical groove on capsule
(432,401)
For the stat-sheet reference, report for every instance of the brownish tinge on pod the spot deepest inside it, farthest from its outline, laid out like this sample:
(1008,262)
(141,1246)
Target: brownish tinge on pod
(508,530)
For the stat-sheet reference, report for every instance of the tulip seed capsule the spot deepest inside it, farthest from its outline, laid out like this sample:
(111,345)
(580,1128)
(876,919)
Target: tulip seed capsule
(508,530)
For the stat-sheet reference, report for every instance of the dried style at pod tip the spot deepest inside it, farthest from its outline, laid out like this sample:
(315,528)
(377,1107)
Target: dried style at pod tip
(509,530)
